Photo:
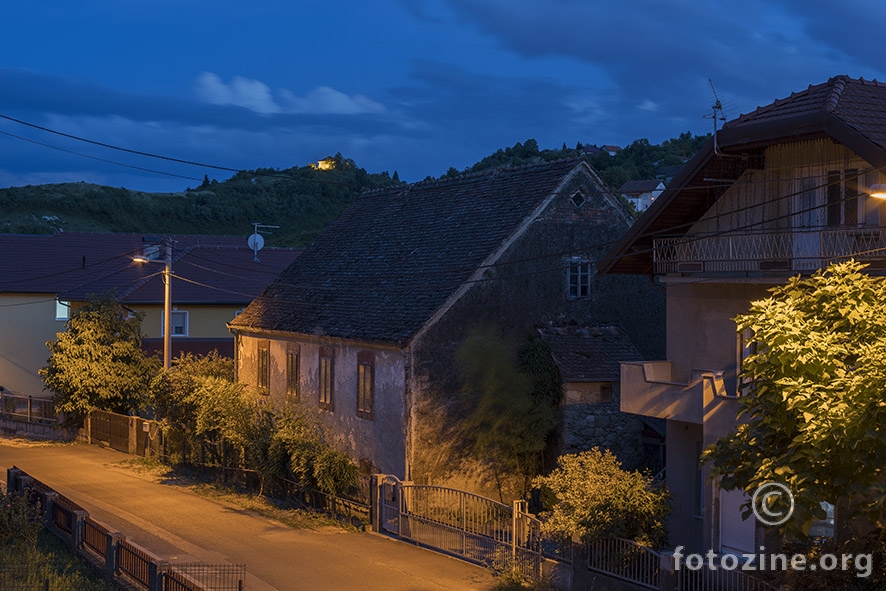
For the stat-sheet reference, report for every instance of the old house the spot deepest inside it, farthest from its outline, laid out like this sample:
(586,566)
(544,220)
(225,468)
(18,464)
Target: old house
(781,191)
(43,276)
(364,326)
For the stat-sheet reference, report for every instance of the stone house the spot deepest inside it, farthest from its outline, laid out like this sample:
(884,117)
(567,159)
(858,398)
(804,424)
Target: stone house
(781,191)
(363,328)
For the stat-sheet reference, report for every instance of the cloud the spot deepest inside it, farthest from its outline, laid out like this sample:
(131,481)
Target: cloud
(242,92)
(325,100)
(648,105)
(257,97)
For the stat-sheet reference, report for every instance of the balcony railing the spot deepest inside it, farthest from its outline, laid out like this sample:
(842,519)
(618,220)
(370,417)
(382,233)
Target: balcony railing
(799,250)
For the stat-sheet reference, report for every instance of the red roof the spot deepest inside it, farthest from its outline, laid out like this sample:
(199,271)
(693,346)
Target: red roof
(206,269)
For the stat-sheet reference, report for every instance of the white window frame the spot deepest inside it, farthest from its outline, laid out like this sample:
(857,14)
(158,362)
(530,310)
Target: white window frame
(185,324)
(580,269)
(62,310)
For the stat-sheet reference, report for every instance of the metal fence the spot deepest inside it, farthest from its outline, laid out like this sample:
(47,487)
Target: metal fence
(27,408)
(719,579)
(625,560)
(110,550)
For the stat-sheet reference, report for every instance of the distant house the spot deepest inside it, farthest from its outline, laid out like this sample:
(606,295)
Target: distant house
(43,276)
(666,174)
(589,361)
(641,193)
(611,150)
(784,191)
(363,328)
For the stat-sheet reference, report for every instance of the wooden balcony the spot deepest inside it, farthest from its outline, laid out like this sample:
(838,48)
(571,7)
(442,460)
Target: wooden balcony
(647,389)
(792,251)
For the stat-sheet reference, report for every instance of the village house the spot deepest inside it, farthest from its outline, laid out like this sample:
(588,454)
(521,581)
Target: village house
(42,277)
(781,191)
(641,193)
(363,328)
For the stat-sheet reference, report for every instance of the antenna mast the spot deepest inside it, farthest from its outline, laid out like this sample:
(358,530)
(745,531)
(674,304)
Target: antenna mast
(718,114)
(256,242)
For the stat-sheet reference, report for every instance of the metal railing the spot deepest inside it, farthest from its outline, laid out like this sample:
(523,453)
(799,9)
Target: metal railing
(27,408)
(719,579)
(802,249)
(625,560)
(95,537)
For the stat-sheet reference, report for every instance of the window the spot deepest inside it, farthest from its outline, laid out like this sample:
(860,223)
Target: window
(326,379)
(178,323)
(579,278)
(842,198)
(578,199)
(62,310)
(292,373)
(264,368)
(365,384)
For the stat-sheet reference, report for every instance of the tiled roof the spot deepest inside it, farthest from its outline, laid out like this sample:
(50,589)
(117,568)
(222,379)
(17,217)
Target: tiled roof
(75,265)
(850,111)
(392,259)
(639,187)
(590,353)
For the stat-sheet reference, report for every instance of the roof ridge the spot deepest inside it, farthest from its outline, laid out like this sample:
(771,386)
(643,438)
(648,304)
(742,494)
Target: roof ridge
(838,85)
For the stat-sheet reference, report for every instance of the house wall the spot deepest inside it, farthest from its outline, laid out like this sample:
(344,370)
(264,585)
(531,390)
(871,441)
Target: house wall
(27,322)
(587,420)
(203,321)
(380,441)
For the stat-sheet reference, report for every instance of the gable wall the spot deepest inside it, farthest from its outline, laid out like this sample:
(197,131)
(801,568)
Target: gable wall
(527,288)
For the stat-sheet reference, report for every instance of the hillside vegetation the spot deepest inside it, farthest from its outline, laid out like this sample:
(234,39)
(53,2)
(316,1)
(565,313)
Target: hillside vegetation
(301,200)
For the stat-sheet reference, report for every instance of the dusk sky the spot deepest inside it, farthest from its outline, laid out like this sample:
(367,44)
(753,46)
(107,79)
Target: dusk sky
(413,86)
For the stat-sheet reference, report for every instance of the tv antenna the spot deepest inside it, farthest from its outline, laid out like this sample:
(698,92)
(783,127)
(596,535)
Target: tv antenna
(718,115)
(256,242)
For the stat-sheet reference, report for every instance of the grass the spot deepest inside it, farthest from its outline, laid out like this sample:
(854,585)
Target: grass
(232,496)
(53,561)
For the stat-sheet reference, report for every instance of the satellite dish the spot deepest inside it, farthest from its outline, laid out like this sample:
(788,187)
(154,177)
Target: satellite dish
(255,242)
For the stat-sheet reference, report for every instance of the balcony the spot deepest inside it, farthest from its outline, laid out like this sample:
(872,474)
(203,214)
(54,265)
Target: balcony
(647,389)
(793,251)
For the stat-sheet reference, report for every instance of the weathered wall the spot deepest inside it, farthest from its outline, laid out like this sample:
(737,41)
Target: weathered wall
(528,287)
(380,440)
(587,421)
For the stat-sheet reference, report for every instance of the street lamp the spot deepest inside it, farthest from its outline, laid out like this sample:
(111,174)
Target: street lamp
(167,298)
(878,191)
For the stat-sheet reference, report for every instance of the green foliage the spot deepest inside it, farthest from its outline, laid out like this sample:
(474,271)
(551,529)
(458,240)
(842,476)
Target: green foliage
(814,404)
(301,200)
(510,422)
(98,362)
(19,522)
(594,497)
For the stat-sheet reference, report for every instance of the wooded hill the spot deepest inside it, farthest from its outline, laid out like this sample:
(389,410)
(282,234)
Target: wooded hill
(301,200)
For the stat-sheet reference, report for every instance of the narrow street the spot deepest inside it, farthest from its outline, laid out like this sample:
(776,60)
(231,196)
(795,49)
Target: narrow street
(180,526)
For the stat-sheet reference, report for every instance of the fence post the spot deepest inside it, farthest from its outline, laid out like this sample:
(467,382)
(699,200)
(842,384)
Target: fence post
(374,504)
(48,500)
(12,478)
(29,408)
(667,578)
(156,571)
(78,525)
(112,541)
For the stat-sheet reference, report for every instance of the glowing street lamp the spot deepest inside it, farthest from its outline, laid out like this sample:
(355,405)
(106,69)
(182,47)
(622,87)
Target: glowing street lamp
(878,191)
(167,299)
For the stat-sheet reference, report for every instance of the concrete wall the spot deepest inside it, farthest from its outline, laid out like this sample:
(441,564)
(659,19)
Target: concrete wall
(381,440)
(27,322)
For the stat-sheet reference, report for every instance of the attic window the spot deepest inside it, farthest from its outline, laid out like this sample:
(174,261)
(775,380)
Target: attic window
(578,199)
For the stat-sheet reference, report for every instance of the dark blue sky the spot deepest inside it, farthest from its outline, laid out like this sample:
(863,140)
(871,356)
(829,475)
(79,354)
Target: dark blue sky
(415,86)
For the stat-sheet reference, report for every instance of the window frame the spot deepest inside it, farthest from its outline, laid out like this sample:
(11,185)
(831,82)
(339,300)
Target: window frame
(326,378)
(293,373)
(578,279)
(366,385)
(186,324)
(65,307)
(263,367)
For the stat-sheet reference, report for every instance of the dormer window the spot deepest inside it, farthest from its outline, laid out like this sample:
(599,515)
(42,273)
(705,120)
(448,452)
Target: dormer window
(578,199)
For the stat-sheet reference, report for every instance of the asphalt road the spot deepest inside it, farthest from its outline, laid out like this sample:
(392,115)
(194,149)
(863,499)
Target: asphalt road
(178,525)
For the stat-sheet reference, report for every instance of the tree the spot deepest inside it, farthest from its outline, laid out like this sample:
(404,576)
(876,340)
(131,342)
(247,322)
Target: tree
(98,362)
(813,402)
(509,426)
(593,497)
